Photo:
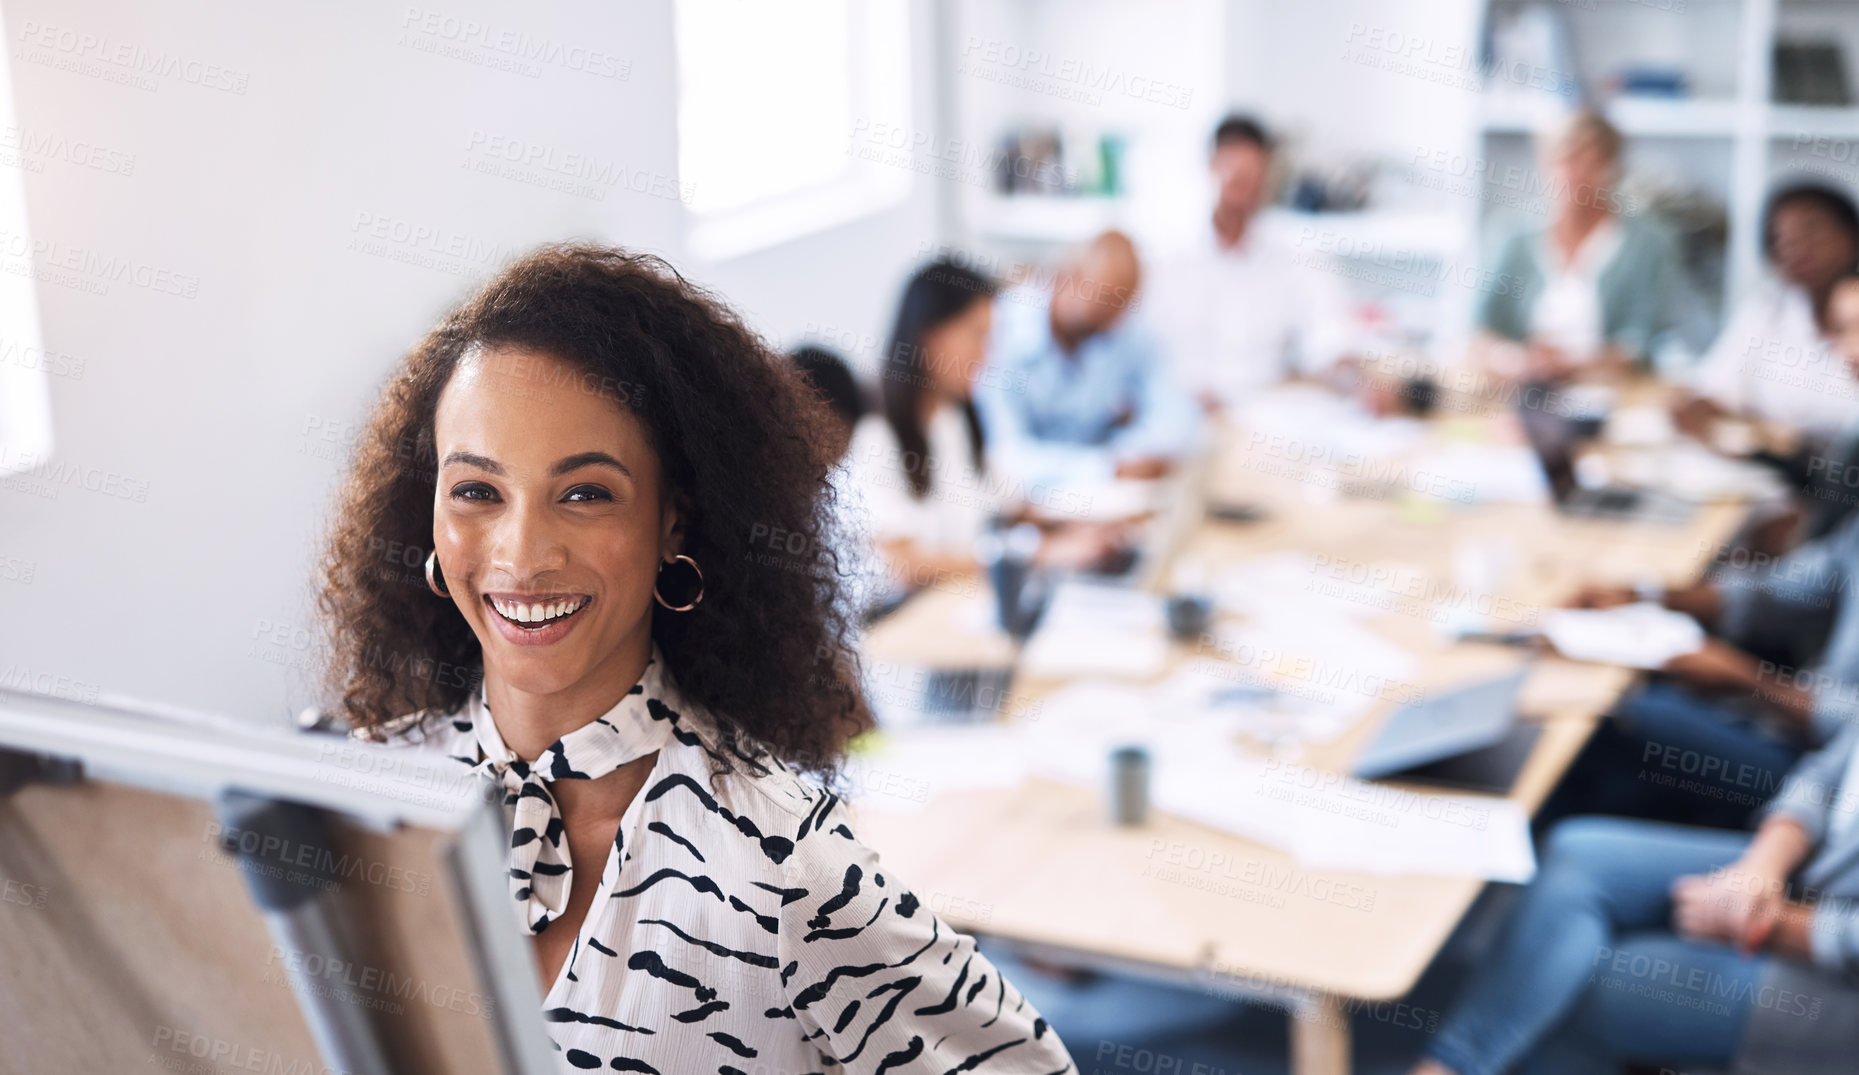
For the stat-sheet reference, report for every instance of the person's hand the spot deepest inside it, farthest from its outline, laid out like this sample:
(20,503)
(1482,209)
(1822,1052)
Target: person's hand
(1145,469)
(1717,666)
(1603,597)
(1543,362)
(1379,396)
(1737,905)
(1775,535)
(1693,415)
(1082,546)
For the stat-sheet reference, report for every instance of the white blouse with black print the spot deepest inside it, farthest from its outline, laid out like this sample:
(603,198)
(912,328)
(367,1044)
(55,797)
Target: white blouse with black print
(741,928)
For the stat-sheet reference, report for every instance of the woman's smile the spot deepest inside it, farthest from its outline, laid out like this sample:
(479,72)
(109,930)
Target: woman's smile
(535,619)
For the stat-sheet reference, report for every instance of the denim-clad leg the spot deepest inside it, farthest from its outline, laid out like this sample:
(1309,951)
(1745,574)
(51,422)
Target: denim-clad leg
(1656,1000)
(1602,881)
(1674,756)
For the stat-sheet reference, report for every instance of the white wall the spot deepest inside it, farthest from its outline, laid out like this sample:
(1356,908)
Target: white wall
(186,575)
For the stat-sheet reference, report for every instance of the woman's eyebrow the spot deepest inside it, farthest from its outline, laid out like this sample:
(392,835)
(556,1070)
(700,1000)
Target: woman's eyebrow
(585,459)
(472,459)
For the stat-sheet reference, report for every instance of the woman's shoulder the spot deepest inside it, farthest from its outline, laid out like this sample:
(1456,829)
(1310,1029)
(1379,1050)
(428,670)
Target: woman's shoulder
(757,786)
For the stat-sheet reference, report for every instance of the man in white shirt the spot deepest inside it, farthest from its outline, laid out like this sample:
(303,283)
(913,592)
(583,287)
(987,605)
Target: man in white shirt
(1244,308)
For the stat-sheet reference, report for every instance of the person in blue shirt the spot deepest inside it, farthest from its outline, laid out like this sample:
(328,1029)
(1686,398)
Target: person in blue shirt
(1077,390)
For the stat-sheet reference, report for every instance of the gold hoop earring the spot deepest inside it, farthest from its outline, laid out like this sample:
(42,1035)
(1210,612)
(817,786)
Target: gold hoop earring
(435,578)
(700,584)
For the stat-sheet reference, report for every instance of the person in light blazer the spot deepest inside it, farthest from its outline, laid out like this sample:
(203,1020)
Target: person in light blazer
(1660,945)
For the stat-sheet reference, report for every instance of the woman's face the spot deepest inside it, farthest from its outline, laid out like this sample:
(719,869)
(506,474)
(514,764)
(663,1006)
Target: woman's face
(957,349)
(1580,171)
(1809,246)
(550,519)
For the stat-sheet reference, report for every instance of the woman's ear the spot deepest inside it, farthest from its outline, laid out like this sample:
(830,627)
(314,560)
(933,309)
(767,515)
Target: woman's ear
(671,526)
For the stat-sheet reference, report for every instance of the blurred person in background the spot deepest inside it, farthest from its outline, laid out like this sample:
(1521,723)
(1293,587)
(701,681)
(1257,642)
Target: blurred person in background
(1828,478)
(917,466)
(1076,391)
(1244,308)
(1665,946)
(832,380)
(1774,362)
(1587,294)
(916,479)
(1822,472)
(1778,676)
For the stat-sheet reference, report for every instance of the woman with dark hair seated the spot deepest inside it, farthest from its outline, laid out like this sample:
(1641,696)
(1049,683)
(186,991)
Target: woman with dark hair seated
(919,465)
(918,468)
(601,454)
(1774,362)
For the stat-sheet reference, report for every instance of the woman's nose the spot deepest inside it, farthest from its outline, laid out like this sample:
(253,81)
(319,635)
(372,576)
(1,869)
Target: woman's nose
(527,542)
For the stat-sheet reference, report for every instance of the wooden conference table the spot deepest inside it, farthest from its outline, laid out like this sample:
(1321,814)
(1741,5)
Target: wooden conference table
(1042,866)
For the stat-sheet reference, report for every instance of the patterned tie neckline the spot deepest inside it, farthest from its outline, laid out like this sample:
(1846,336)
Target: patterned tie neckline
(541,872)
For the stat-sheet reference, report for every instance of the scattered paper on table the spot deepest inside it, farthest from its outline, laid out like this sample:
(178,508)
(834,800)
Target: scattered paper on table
(902,771)
(1331,822)
(1095,629)
(1324,821)
(1643,635)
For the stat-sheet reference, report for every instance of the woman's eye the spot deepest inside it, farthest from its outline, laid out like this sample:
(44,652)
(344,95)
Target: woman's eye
(583,494)
(473,491)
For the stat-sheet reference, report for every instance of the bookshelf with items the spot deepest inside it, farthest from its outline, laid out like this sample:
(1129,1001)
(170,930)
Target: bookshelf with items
(1720,100)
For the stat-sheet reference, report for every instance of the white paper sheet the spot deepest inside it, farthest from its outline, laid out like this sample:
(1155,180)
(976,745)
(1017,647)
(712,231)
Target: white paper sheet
(1327,821)
(1096,629)
(1643,635)
(1322,820)
(902,771)
(1484,473)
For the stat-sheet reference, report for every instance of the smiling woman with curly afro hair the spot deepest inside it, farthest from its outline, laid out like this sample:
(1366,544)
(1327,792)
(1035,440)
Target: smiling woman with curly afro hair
(631,619)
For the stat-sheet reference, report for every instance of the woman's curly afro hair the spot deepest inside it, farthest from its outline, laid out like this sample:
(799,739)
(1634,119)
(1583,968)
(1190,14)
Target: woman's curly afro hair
(766,652)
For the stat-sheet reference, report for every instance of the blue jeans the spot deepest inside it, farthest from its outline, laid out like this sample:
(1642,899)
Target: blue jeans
(1589,977)
(1671,755)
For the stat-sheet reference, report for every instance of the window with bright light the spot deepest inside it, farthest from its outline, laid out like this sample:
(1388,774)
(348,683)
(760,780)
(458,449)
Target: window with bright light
(769,96)
(25,397)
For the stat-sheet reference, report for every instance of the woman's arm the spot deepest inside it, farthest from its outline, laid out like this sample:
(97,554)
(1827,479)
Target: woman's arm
(1744,904)
(878,981)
